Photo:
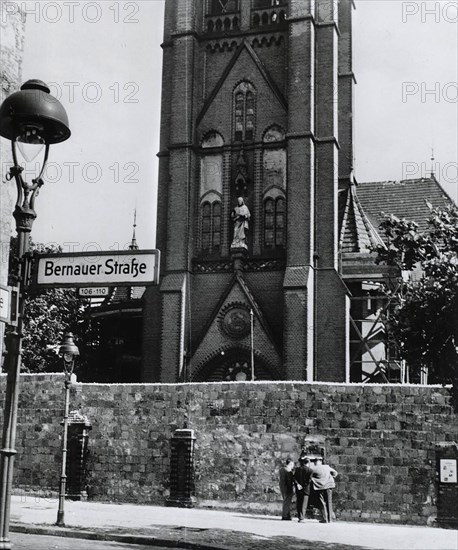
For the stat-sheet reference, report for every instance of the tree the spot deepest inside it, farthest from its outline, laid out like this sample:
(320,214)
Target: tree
(49,313)
(424,326)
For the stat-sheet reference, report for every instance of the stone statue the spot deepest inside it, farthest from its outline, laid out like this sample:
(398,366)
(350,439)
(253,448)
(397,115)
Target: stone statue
(240,215)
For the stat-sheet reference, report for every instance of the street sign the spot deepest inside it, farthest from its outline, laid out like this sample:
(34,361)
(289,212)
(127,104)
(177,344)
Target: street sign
(5,304)
(94,291)
(95,269)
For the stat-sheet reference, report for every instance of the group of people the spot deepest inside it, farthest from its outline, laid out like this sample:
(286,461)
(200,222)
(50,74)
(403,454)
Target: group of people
(311,478)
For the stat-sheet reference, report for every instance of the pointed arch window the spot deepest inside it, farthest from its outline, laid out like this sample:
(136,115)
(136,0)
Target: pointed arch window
(274,222)
(211,192)
(211,226)
(244,112)
(239,116)
(280,221)
(249,127)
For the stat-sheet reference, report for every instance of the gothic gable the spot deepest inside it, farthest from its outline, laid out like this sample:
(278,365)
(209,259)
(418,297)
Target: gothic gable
(245,66)
(229,335)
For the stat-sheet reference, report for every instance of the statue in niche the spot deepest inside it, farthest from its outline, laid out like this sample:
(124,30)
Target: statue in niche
(240,216)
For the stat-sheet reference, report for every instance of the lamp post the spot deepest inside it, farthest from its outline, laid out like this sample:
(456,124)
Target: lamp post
(68,351)
(30,117)
(252,343)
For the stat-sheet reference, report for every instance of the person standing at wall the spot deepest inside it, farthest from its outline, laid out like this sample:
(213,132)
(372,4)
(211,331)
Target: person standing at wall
(323,483)
(286,488)
(302,477)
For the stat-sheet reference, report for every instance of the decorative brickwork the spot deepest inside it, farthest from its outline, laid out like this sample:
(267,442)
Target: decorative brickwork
(381,439)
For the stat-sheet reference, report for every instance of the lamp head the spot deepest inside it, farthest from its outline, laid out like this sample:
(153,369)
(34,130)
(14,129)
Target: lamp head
(68,350)
(33,116)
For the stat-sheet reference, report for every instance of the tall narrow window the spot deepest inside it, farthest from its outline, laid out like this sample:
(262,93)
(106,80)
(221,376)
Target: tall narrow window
(280,222)
(216,226)
(211,192)
(249,128)
(206,225)
(239,116)
(244,112)
(211,226)
(274,222)
(269,223)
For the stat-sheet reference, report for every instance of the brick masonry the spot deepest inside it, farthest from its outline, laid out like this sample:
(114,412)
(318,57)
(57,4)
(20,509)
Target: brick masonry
(293,68)
(381,439)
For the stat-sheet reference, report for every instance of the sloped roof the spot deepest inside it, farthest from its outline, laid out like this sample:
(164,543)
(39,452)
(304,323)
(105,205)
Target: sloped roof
(404,199)
(126,299)
(357,233)
(124,293)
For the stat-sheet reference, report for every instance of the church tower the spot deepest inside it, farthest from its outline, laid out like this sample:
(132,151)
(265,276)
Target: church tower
(256,141)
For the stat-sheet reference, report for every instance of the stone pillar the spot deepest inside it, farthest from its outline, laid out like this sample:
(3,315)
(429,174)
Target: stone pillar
(78,436)
(173,313)
(331,296)
(298,280)
(182,469)
(177,233)
(346,81)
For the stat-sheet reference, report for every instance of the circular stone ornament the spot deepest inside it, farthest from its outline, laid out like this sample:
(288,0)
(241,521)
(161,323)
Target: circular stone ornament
(236,322)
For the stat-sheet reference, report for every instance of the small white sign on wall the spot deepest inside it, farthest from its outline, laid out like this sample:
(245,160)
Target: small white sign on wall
(448,470)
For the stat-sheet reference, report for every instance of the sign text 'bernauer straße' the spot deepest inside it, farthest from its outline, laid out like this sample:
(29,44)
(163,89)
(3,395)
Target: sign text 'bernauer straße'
(95,269)
(110,267)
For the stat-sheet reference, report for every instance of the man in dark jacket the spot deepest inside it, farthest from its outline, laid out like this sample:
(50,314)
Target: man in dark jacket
(286,488)
(302,477)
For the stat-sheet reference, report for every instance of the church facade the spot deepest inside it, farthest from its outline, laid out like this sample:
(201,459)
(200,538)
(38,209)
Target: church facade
(255,151)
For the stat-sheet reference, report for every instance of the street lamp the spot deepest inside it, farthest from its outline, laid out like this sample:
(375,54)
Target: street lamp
(68,351)
(252,343)
(30,117)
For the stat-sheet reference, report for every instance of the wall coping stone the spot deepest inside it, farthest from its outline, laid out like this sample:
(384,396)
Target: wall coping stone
(50,376)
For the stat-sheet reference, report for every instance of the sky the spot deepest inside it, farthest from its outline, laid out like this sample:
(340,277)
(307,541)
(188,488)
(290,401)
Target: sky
(103,61)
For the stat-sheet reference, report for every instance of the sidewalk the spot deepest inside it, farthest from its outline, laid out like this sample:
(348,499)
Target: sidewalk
(210,529)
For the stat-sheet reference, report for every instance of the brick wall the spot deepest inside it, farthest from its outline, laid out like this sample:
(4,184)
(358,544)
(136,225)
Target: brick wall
(381,439)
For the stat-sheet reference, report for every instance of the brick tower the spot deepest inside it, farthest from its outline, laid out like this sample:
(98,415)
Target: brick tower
(256,139)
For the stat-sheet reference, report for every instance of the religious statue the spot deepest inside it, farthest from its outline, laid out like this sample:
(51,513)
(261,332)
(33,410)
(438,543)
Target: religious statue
(240,215)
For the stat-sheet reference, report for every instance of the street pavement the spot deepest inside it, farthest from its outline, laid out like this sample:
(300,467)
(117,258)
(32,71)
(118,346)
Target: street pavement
(22,541)
(211,529)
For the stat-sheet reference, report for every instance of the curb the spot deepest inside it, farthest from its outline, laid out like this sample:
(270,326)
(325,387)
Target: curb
(109,536)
